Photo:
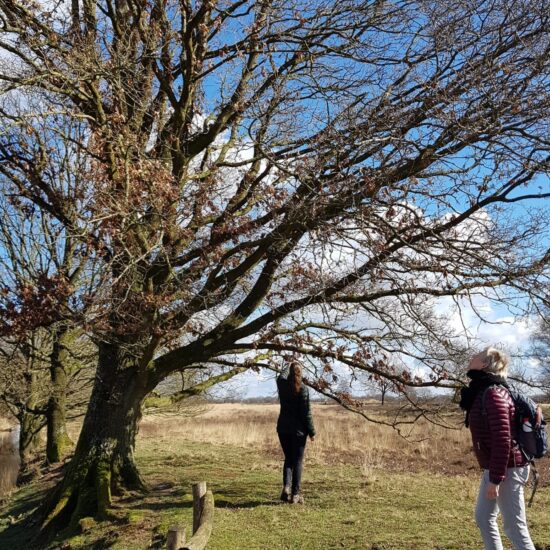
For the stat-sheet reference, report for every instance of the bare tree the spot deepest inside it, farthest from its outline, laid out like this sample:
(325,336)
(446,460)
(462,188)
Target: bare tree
(380,385)
(272,179)
(541,343)
(23,375)
(27,390)
(41,269)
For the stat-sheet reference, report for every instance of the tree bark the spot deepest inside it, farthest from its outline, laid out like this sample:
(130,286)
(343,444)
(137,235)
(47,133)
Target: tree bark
(58,440)
(30,424)
(103,462)
(29,442)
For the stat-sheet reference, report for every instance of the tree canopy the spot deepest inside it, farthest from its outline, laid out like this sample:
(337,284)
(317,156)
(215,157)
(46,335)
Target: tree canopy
(264,172)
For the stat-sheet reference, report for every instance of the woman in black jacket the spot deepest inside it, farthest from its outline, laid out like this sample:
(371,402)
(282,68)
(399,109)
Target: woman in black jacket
(294,425)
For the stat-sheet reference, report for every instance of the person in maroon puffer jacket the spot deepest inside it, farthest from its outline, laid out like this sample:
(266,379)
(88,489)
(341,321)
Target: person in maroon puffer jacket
(505,469)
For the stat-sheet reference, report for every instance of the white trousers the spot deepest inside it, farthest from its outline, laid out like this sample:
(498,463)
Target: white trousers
(511,504)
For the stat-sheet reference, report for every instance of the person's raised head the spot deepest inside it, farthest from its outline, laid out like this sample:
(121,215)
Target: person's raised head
(491,360)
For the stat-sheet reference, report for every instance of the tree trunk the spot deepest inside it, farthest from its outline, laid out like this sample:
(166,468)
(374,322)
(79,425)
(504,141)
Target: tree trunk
(104,457)
(30,424)
(29,443)
(58,441)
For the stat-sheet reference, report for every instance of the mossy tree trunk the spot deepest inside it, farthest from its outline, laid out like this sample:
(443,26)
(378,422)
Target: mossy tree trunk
(29,436)
(58,440)
(30,425)
(103,462)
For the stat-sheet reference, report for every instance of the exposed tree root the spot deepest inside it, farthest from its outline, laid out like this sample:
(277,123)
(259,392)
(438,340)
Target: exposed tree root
(87,490)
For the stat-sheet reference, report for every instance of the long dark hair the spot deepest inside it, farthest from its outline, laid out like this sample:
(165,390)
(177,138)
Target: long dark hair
(295,377)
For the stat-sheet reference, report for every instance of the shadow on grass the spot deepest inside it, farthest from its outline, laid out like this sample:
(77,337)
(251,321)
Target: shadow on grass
(19,536)
(180,500)
(19,525)
(221,503)
(159,506)
(157,498)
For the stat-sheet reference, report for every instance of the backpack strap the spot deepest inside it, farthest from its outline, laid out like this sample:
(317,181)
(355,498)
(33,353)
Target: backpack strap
(535,483)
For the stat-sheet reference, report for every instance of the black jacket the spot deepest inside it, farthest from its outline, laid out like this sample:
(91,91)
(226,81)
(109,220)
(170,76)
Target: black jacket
(295,416)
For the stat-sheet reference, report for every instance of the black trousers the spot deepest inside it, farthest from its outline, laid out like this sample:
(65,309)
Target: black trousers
(293,447)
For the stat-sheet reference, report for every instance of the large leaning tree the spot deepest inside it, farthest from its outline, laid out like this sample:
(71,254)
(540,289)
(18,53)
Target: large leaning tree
(274,179)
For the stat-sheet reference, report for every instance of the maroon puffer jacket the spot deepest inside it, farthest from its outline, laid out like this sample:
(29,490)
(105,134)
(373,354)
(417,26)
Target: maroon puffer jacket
(494,433)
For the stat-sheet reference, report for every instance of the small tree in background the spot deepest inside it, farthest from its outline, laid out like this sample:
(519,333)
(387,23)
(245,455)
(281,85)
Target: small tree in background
(27,390)
(381,386)
(23,375)
(263,180)
(541,345)
(44,350)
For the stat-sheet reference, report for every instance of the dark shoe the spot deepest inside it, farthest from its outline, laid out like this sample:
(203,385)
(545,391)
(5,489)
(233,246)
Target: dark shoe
(285,495)
(297,499)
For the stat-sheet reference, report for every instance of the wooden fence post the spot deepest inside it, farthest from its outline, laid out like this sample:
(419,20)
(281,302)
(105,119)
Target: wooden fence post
(200,539)
(203,519)
(199,490)
(176,538)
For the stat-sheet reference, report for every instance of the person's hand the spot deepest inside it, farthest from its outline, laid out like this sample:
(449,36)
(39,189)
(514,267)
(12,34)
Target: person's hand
(492,491)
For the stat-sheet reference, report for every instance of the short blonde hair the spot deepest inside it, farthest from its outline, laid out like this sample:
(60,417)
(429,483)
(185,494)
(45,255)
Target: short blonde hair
(496,361)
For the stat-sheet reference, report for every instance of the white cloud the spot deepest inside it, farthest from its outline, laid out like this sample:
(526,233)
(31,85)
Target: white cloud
(480,321)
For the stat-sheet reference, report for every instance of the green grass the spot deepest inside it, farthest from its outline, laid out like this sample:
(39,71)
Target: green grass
(344,509)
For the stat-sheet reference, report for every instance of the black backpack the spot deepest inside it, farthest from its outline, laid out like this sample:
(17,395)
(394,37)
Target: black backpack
(531,438)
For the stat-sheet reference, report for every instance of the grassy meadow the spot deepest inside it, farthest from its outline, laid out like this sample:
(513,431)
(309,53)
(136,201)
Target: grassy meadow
(365,486)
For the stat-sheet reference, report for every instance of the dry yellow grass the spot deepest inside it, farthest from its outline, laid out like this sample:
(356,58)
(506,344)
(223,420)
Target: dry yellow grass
(342,437)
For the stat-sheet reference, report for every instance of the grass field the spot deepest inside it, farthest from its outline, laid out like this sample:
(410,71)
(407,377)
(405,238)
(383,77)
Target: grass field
(365,487)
